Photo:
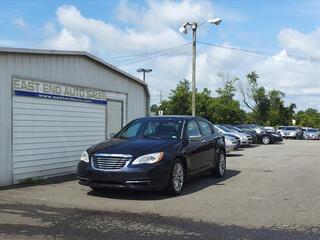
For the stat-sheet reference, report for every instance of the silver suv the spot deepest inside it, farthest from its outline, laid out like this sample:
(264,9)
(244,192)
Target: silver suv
(289,132)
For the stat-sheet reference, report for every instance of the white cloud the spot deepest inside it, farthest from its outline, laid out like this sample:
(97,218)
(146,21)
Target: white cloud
(154,27)
(306,44)
(298,79)
(163,14)
(106,38)
(20,22)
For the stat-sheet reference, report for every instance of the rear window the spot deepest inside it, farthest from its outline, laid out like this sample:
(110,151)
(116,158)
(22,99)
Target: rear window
(312,130)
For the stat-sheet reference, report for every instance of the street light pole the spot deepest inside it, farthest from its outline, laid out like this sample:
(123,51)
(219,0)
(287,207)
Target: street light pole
(184,29)
(144,76)
(194,59)
(144,71)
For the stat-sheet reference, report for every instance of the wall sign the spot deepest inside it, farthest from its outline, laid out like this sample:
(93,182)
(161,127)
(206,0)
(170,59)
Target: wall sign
(54,91)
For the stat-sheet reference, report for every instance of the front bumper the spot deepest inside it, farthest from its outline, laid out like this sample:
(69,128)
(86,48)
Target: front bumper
(311,137)
(144,177)
(275,139)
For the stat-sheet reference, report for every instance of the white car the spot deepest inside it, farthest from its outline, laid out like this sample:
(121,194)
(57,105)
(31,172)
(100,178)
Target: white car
(289,132)
(270,129)
(245,139)
(311,133)
(231,143)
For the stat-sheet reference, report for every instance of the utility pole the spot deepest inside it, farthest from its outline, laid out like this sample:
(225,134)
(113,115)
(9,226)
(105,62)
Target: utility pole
(160,96)
(184,29)
(194,27)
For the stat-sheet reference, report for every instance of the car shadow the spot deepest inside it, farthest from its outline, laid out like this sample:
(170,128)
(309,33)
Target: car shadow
(250,146)
(234,155)
(192,186)
(39,182)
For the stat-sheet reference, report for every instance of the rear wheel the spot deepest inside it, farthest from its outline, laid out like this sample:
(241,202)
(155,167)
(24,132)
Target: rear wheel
(220,168)
(266,140)
(176,179)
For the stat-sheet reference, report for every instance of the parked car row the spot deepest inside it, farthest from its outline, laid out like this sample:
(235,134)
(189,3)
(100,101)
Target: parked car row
(246,134)
(295,132)
(161,153)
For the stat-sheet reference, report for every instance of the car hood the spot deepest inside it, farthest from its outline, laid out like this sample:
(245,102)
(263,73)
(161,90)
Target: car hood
(135,147)
(231,135)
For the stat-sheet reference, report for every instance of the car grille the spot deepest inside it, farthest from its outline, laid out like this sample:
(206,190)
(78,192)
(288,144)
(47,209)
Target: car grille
(109,162)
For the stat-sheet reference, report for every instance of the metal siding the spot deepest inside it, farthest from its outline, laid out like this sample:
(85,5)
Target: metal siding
(5,120)
(76,70)
(114,117)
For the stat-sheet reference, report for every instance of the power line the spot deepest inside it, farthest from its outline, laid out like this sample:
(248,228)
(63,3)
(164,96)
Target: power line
(134,61)
(150,53)
(237,49)
(258,52)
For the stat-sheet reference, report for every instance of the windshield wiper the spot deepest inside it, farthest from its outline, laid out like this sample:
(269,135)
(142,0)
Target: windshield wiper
(148,136)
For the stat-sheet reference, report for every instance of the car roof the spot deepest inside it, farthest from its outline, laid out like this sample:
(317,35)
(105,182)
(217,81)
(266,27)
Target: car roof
(176,117)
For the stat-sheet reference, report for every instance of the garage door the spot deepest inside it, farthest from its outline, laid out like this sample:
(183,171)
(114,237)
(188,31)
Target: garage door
(50,135)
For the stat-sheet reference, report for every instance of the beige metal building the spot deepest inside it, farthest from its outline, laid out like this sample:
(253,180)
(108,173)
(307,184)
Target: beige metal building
(54,104)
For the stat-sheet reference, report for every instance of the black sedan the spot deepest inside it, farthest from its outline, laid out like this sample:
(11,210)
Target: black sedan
(158,153)
(264,136)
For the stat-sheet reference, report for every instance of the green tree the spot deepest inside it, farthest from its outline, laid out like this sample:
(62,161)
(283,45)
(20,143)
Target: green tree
(267,106)
(179,102)
(203,103)
(308,118)
(256,99)
(154,108)
(224,108)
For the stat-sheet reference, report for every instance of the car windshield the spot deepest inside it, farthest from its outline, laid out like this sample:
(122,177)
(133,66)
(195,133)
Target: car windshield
(152,128)
(235,128)
(223,128)
(289,128)
(312,130)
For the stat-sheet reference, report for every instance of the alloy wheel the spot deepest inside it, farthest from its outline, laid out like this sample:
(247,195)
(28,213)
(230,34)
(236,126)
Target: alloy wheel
(222,164)
(266,140)
(178,177)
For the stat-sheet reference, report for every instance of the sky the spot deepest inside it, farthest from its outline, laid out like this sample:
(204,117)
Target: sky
(283,38)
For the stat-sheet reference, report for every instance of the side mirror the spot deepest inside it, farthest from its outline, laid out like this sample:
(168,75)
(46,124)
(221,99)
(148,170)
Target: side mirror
(194,138)
(112,135)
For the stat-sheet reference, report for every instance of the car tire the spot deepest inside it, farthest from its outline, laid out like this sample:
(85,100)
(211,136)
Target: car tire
(266,140)
(220,168)
(176,178)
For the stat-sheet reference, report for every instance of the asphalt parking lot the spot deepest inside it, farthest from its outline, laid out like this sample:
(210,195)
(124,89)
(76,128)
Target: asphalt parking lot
(270,192)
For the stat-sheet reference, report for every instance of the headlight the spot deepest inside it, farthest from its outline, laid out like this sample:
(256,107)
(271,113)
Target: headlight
(276,135)
(258,130)
(228,141)
(84,157)
(149,158)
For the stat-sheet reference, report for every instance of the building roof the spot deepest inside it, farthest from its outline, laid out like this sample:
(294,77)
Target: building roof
(75,53)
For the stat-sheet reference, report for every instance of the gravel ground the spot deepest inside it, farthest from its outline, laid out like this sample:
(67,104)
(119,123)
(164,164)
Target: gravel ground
(270,192)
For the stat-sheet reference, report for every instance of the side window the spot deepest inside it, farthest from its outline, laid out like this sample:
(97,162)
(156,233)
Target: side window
(193,129)
(205,128)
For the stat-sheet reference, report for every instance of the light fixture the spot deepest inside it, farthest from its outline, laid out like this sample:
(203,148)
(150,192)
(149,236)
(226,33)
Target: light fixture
(215,21)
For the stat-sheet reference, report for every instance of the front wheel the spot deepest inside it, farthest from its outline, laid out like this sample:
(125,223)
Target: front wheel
(220,168)
(266,140)
(176,179)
